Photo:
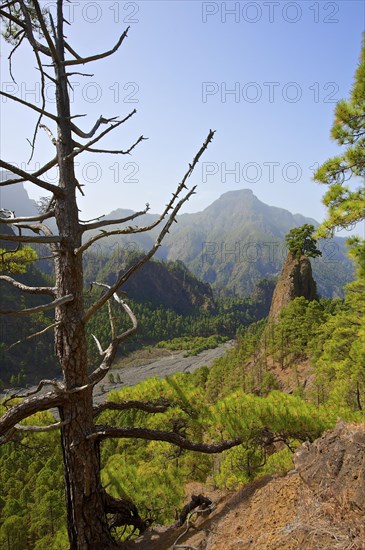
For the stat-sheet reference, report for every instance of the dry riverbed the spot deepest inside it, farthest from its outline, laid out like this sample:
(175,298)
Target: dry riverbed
(151,362)
(147,363)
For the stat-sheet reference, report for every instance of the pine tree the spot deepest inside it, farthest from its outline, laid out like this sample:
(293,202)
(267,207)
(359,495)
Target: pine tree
(346,206)
(88,503)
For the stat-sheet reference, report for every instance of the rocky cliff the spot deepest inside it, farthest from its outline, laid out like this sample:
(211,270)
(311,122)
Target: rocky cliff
(295,280)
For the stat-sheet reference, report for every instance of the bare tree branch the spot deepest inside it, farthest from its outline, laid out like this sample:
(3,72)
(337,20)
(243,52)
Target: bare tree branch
(30,105)
(109,354)
(80,133)
(71,50)
(12,18)
(95,307)
(27,408)
(102,134)
(46,34)
(43,84)
(127,309)
(99,346)
(39,429)
(54,383)
(110,151)
(49,133)
(169,207)
(12,220)
(29,177)
(12,53)
(29,239)
(37,46)
(39,333)
(159,406)
(84,60)
(106,432)
(31,289)
(46,307)
(39,172)
(96,225)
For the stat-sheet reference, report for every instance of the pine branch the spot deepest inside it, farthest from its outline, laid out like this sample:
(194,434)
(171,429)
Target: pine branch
(159,406)
(107,432)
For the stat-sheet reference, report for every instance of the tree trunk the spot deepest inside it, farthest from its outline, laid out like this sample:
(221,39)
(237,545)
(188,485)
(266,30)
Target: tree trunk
(86,518)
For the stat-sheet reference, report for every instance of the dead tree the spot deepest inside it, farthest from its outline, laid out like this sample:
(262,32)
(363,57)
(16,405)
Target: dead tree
(86,500)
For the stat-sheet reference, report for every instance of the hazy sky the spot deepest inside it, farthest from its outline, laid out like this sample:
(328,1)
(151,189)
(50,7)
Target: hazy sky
(266,75)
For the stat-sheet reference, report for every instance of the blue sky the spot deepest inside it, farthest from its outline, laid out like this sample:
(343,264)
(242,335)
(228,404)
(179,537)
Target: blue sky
(265,75)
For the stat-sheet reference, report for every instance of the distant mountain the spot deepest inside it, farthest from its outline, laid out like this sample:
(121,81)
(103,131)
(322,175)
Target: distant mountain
(236,241)
(15,198)
(170,285)
(232,244)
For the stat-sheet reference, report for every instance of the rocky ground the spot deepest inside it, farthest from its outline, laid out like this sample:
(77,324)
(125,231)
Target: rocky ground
(320,505)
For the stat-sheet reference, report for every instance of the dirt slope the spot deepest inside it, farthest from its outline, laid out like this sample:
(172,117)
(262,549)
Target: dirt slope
(297,511)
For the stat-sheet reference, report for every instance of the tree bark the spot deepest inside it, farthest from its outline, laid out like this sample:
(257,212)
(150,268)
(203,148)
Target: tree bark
(86,518)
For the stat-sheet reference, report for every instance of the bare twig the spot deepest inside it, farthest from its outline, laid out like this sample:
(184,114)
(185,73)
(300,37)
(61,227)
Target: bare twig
(39,333)
(46,307)
(85,147)
(169,207)
(111,151)
(98,345)
(12,53)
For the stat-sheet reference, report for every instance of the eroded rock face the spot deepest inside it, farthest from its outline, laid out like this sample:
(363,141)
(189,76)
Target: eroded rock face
(334,464)
(295,280)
